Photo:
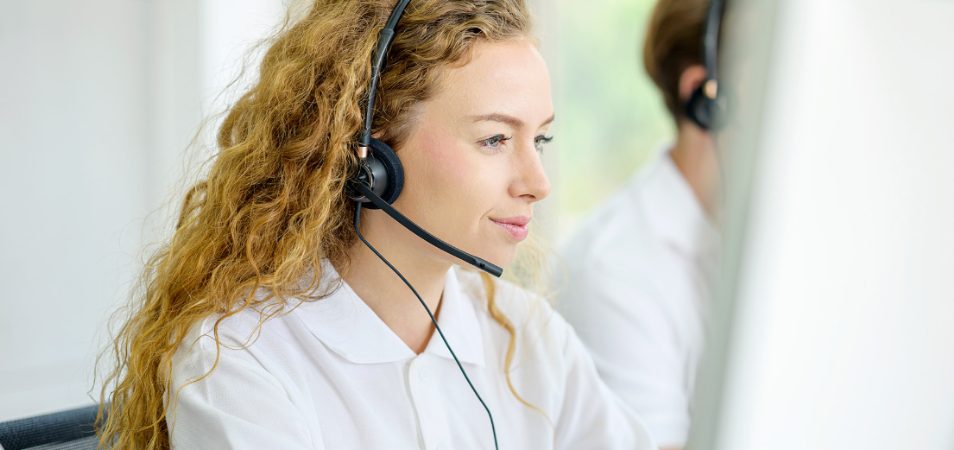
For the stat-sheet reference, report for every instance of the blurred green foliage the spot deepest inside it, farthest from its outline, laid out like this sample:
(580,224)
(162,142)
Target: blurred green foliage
(611,118)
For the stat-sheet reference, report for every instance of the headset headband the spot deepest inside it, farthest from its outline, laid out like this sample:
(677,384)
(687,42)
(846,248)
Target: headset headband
(710,46)
(385,38)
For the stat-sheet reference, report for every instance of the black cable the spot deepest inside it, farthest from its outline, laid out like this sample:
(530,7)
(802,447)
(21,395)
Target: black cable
(357,230)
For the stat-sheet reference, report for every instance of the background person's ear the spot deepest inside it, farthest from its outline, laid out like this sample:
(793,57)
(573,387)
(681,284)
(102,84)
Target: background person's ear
(690,79)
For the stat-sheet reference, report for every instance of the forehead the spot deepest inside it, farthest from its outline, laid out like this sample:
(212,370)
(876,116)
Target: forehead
(508,77)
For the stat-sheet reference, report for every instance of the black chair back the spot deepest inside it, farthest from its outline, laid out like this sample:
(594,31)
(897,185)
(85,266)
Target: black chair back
(71,429)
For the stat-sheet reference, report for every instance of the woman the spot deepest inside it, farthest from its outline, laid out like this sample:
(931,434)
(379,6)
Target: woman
(268,323)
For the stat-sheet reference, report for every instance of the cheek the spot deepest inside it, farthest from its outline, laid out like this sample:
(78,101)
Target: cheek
(454,179)
(447,163)
(451,189)
(440,161)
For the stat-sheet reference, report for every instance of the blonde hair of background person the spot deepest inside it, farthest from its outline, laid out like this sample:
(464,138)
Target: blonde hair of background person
(251,238)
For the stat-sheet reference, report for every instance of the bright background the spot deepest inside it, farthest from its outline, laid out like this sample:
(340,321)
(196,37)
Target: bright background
(611,118)
(833,328)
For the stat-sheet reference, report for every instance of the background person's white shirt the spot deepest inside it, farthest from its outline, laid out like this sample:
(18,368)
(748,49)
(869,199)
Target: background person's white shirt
(331,375)
(636,288)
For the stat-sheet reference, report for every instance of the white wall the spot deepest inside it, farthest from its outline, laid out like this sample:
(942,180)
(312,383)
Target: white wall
(98,103)
(75,176)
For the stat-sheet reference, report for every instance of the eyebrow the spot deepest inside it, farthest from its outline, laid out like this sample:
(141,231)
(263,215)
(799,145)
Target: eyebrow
(509,120)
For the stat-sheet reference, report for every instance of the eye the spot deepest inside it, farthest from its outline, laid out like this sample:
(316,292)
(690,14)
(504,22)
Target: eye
(494,141)
(540,141)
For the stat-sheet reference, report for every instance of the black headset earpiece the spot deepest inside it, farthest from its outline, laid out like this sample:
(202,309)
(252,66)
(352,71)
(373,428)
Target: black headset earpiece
(382,172)
(700,108)
(705,107)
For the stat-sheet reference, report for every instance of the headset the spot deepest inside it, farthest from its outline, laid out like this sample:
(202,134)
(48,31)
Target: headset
(705,106)
(380,177)
(378,181)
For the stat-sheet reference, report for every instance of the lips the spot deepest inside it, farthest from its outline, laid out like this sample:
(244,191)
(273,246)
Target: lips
(517,227)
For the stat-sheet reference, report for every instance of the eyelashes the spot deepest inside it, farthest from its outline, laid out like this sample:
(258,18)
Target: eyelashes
(496,142)
(540,141)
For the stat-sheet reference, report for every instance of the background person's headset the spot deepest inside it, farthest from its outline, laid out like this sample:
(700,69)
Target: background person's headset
(378,181)
(705,106)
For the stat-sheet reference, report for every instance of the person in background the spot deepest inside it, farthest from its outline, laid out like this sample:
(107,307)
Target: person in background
(637,270)
(271,319)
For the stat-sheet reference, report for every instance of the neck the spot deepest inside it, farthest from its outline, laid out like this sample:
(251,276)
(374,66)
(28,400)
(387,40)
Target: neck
(694,155)
(384,292)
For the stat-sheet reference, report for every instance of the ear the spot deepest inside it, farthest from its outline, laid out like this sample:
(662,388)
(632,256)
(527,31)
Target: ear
(690,79)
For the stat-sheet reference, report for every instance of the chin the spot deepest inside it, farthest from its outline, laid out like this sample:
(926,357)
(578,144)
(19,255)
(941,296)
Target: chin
(502,256)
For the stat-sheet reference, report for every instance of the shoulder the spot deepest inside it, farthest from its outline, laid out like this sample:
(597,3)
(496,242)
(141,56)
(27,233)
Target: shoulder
(614,230)
(242,328)
(626,240)
(254,335)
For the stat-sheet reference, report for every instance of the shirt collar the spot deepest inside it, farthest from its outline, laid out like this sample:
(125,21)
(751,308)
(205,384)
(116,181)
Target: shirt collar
(458,321)
(674,213)
(346,325)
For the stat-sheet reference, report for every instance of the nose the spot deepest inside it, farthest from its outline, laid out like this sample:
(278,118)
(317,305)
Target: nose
(530,180)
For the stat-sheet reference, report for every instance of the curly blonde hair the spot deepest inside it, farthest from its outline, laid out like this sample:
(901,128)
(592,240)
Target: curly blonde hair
(272,204)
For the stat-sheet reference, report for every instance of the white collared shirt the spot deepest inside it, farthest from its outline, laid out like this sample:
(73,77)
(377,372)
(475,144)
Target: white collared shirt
(330,374)
(636,290)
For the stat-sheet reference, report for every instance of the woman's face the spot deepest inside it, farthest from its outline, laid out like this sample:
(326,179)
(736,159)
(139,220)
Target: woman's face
(472,159)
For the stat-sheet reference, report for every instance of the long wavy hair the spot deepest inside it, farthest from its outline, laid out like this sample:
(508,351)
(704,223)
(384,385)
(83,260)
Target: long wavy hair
(273,202)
